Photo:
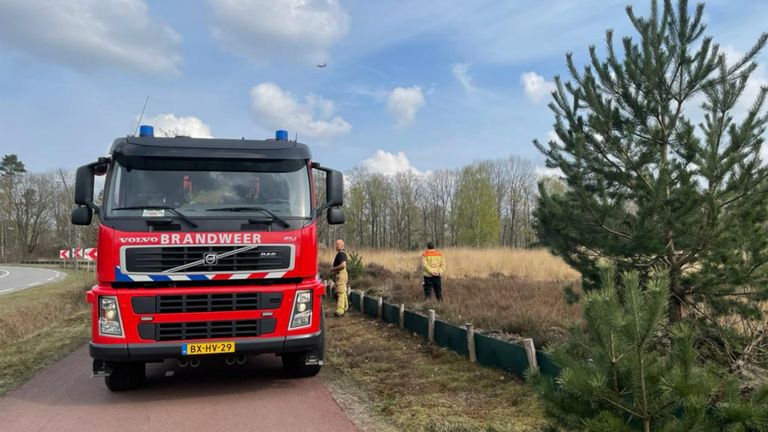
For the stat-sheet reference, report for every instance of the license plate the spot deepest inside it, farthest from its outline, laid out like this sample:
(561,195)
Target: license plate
(207,348)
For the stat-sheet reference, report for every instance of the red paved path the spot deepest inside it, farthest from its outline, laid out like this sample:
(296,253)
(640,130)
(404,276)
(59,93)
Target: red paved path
(212,397)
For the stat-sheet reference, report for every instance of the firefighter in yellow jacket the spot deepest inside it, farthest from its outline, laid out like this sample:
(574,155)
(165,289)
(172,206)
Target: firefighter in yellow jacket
(434,266)
(341,278)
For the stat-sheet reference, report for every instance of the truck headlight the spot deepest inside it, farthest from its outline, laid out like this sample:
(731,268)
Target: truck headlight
(109,316)
(302,310)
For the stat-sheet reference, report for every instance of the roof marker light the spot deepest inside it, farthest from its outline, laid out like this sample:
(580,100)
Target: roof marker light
(146,131)
(281,135)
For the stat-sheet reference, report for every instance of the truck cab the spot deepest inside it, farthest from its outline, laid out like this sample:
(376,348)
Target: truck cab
(206,248)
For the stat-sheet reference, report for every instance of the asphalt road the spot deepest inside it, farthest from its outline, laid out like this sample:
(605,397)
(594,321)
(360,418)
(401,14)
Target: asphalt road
(19,278)
(213,397)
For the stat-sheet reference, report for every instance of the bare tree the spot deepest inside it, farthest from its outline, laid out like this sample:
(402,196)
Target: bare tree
(31,209)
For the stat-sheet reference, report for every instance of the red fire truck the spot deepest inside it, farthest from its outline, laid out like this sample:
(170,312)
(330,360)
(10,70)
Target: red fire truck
(206,248)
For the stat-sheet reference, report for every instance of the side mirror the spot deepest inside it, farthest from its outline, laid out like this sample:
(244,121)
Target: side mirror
(82,216)
(335,216)
(334,188)
(84,185)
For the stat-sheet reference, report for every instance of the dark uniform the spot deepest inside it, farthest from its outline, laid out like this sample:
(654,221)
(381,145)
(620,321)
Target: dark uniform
(342,278)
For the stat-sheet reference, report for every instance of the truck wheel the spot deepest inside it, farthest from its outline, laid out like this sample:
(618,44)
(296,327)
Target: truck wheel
(295,365)
(126,376)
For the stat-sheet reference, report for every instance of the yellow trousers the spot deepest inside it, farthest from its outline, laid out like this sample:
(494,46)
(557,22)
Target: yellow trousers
(342,304)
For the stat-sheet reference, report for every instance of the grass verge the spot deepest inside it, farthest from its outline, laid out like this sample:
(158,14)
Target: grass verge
(387,379)
(40,325)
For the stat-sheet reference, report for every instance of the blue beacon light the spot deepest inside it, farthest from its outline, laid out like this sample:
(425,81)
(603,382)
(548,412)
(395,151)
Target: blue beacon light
(146,131)
(281,135)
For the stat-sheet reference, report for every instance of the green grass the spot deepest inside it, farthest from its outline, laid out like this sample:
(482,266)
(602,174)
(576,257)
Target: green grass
(403,383)
(40,325)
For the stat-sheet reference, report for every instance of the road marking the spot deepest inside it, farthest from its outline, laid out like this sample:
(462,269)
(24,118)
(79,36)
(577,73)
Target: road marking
(57,275)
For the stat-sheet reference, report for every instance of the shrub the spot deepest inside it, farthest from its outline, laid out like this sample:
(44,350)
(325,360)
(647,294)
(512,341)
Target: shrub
(626,371)
(355,266)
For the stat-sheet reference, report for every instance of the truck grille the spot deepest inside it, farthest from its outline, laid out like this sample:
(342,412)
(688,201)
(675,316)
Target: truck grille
(161,259)
(206,302)
(207,329)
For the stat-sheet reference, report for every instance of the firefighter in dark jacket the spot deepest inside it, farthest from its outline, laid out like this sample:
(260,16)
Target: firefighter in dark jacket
(433,263)
(341,278)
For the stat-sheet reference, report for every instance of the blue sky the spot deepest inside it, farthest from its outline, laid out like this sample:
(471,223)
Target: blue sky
(408,85)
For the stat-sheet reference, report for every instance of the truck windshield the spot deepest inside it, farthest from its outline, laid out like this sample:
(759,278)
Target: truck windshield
(280,187)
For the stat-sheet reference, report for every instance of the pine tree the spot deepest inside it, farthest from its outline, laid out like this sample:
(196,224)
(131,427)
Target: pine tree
(10,165)
(621,372)
(10,169)
(646,186)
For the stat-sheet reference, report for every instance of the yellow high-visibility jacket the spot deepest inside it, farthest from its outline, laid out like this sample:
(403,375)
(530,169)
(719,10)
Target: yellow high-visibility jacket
(433,262)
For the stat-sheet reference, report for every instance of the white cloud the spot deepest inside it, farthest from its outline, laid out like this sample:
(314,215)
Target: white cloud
(548,172)
(460,71)
(387,163)
(536,88)
(264,30)
(169,125)
(90,33)
(403,103)
(274,108)
(374,93)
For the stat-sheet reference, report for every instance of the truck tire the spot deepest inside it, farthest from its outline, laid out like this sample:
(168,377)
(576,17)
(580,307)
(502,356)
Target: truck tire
(126,376)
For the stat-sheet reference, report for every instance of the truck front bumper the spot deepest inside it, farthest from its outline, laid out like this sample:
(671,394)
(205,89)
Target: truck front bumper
(152,352)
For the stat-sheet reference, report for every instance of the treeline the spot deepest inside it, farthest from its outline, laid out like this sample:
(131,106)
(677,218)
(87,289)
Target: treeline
(35,211)
(485,203)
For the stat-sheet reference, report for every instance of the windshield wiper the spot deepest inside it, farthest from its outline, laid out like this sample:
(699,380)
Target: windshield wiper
(246,208)
(181,215)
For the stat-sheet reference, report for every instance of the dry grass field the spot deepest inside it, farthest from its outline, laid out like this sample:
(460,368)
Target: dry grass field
(516,292)
(528,264)
(516,307)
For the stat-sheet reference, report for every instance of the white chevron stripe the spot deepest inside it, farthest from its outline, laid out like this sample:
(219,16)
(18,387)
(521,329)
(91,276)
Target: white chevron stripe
(234,276)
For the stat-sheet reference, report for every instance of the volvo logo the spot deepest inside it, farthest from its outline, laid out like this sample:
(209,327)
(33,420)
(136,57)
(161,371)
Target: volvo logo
(210,258)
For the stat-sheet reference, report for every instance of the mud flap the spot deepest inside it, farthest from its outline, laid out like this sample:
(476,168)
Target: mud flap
(101,369)
(313,358)
(316,357)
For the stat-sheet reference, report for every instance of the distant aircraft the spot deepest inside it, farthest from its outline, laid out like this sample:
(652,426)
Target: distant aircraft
(323,65)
